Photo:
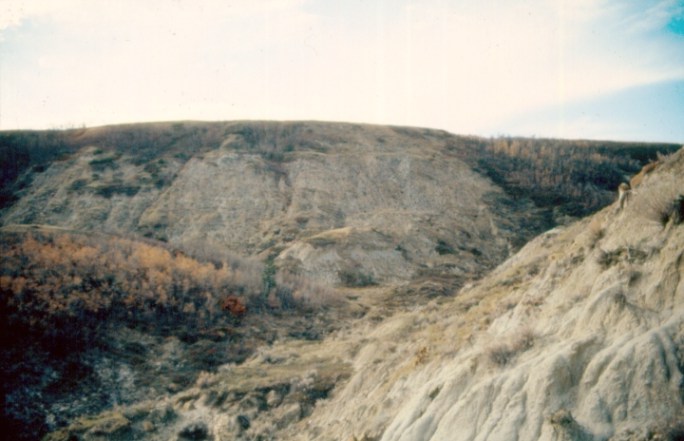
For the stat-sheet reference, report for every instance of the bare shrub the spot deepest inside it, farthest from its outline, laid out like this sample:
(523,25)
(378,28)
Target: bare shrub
(566,427)
(577,177)
(608,258)
(355,278)
(503,353)
(663,203)
(535,301)
(561,417)
(596,231)
(422,356)
(246,273)
(302,291)
(500,354)
(523,340)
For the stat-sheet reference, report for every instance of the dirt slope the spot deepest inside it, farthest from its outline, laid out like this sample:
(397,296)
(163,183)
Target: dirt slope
(331,201)
(578,336)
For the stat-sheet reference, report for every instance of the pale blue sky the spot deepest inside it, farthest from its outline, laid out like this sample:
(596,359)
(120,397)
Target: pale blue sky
(563,68)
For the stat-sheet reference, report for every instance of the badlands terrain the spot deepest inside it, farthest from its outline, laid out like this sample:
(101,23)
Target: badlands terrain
(249,280)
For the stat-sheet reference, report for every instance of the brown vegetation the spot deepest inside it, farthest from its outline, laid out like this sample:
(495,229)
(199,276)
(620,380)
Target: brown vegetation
(639,177)
(68,286)
(504,352)
(70,300)
(234,306)
(71,284)
(577,177)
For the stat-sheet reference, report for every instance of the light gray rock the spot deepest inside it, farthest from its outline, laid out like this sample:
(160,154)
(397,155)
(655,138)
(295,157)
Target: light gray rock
(604,360)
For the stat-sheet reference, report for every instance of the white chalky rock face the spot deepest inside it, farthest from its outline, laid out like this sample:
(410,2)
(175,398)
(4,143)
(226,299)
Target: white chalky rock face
(578,336)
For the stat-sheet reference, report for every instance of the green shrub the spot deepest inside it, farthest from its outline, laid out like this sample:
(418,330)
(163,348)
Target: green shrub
(110,190)
(268,277)
(78,185)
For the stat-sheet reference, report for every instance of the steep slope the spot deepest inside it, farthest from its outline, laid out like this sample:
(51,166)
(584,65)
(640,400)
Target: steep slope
(578,336)
(522,354)
(328,199)
(343,203)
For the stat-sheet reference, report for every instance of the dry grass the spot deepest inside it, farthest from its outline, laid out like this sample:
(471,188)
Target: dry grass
(595,230)
(663,203)
(305,292)
(503,353)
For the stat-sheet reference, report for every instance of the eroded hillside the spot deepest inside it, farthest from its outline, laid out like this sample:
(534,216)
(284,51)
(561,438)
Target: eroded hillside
(579,336)
(320,281)
(342,203)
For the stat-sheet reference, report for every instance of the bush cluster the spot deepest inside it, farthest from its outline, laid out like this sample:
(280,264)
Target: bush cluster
(64,285)
(579,176)
(355,278)
(503,353)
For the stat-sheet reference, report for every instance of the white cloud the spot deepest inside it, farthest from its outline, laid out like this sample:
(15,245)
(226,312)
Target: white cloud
(12,12)
(458,65)
(463,67)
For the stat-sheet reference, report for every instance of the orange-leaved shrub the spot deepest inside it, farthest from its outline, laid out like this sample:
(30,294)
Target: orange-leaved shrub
(74,285)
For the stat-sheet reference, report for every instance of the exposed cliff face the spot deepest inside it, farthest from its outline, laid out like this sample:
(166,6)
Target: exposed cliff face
(327,199)
(578,336)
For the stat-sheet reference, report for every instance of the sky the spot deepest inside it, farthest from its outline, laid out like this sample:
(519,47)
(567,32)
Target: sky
(593,69)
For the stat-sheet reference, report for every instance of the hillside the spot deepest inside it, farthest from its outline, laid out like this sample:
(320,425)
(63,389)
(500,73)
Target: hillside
(576,337)
(91,321)
(341,203)
(291,192)
(317,280)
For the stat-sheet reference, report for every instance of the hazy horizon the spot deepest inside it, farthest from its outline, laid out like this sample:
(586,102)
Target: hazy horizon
(584,69)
